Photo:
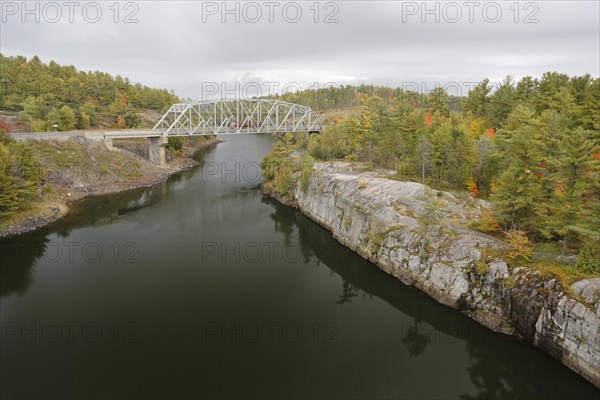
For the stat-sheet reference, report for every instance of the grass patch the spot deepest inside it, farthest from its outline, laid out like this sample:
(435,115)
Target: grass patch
(548,248)
(362,183)
(567,274)
(62,154)
(347,222)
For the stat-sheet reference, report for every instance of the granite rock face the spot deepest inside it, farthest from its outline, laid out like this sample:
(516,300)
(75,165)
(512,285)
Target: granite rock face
(379,219)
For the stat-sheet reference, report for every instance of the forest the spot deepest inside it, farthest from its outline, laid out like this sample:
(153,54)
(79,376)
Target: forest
(343,96)
(48,97)
(531,147)
(38,97)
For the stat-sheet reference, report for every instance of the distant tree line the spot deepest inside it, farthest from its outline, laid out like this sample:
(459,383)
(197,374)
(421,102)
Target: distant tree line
(50,96)
(348,96)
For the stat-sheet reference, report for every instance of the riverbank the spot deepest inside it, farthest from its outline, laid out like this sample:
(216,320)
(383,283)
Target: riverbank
(79,168)
(385,221)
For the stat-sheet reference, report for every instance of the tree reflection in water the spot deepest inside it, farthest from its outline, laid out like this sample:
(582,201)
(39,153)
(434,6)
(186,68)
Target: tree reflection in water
(17,258)
(498,364)
(19,254)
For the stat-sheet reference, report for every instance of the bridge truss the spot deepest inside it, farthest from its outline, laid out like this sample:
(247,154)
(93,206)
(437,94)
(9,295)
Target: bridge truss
(237,116)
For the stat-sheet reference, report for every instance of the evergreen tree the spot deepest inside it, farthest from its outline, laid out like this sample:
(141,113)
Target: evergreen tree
(437,101)
(9,188)
(578,173)
(440,142)
(526,90)
(19,176)
(518,193)
(89,109)
(357,128)
(67,118)
(502,103)
(478,100)
(34,108)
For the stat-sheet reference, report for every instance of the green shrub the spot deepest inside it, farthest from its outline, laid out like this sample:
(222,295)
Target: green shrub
(284,182)
(306,170)
(175,144)
(347,222)
(481,267)
(588,261)
(362,183)
(520,246)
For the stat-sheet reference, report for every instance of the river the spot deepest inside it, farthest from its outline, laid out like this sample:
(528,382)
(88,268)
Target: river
(202,287)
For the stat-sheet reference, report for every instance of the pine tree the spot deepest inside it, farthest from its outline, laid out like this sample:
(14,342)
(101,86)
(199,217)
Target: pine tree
(478,100)
(576,176)
(518,192)
(437,101)
(89,109)
(590,110)
(526,90)
(68,118)
(9,189)
(553,92)
(502,103)
(429,217)
(19,177)
(423,156)
(440,141)
(357,128)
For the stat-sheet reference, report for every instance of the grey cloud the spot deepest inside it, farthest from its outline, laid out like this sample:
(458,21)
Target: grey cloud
(171,46)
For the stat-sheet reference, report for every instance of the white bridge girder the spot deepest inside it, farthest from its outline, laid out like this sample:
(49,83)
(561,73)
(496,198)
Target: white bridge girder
(237,116)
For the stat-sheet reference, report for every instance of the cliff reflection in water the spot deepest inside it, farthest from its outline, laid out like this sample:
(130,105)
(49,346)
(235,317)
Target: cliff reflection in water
(496,373)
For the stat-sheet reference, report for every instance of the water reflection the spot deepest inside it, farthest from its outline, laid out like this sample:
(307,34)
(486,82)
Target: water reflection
(20,253)
(414,340)
(495,372)
(17,258)
(348,293)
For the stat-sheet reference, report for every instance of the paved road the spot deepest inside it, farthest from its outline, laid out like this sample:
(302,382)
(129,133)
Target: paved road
(88,134)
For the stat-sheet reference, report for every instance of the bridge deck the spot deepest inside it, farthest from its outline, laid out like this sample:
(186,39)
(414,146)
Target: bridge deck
(222,117)
(123,134)
(89,134)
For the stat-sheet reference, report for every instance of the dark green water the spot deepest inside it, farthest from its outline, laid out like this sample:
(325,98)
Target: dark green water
(201,287)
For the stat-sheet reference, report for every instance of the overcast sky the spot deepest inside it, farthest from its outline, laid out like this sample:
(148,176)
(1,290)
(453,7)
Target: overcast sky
(195,47)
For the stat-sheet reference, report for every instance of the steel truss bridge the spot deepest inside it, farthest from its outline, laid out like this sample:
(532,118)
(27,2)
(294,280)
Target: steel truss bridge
(237,116)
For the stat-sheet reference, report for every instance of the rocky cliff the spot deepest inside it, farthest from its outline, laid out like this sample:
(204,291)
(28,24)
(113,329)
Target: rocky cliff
(382,220)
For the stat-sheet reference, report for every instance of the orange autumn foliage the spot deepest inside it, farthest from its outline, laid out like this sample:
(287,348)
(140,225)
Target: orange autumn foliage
(120,122)
(472,188)
(487,224)
(490,132)
(428,119)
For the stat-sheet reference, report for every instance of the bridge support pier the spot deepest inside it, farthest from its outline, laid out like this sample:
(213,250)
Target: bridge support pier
(108,143)
(156,150)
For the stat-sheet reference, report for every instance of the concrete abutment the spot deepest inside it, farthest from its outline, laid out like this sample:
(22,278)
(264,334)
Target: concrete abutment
(156,150)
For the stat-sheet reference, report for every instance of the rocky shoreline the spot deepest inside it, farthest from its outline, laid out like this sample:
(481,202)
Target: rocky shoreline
(76,190)
(378,218)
